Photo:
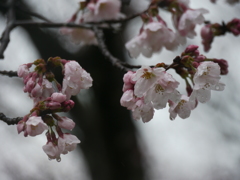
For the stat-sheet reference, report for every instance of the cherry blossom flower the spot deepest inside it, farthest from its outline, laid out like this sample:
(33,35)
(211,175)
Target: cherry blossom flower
(163,90)
(142,111)
(188,20)
(128,82)
(52,150)
(152,38)
(103,10)
(207,73)
(42,91)
(66,123)
(23,70)
(80,36)
(35,126)
(145,78)
(206,79)
(128,99)
(67,142)
(75,78)
(182,108)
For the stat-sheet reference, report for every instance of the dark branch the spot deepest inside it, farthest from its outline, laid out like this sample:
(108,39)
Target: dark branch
(5,38)
(53,25)
(100,37)
(115,61)
(10,121)
(9,73)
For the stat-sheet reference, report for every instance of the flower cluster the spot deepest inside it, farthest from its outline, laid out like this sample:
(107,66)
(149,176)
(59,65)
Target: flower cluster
(155,34)
(92,11)
(152,88)
(51,97)
(209,31)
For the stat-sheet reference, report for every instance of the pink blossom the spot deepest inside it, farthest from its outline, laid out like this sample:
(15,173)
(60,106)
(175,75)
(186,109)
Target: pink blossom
(128,99)
(58,97)
(102,10)
(182,108)
(128,82)
(206,79)
(36,91)
(80,36)
(53,105)
(30,85)
(207,73)
(52,150)
(67,142)
(207,37)
(21,126)
(145,78)
(35,126)
(163,90)
(66,123)
(75,79)
(152,38)
(23,70)
(43,91)
(223,65)
(143,111)
(234,26)
(187,22)
(67,105)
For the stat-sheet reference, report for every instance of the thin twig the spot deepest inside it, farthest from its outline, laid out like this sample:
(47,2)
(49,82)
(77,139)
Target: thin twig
(53,25)
(10,121)
(9,73)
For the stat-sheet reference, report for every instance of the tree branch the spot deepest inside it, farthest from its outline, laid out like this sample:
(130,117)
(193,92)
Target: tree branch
(10,121)
(115,61)
(9,73)
(5,38)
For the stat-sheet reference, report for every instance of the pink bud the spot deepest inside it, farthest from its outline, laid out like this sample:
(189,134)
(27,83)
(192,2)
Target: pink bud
(191,48)
(207,37)
(223,65)
(234,26)
(66,123)
(67,105)
(35,126)
(23,70)
(58,97)
(53,105)
(20,126)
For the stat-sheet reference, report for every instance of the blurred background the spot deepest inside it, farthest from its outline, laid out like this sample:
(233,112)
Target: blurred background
(113,146)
